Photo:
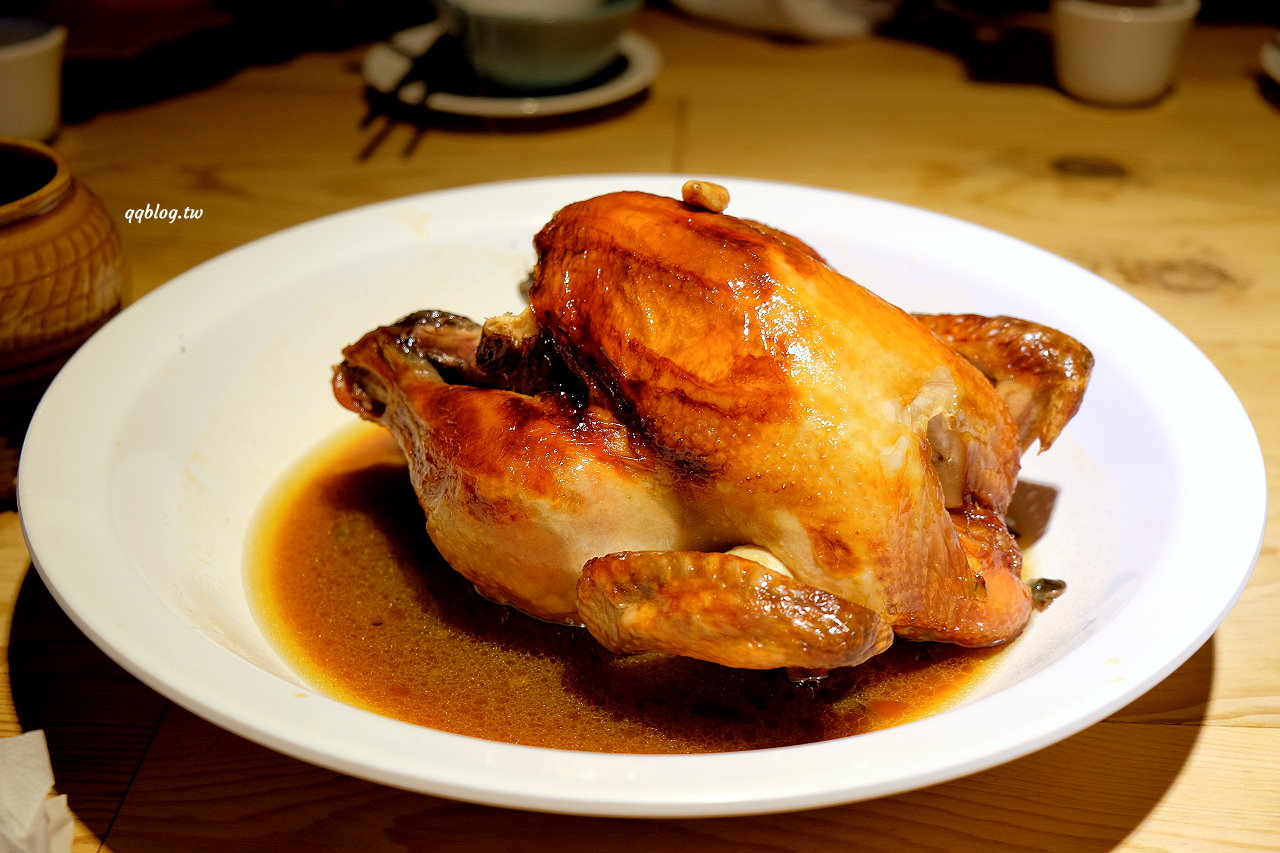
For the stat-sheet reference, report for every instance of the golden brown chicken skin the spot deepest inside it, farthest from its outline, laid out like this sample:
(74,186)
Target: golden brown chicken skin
(685,384)
(1039,372)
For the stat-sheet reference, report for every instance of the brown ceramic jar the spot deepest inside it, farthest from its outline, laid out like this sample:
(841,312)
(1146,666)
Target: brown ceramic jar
(61,273)
(61,277)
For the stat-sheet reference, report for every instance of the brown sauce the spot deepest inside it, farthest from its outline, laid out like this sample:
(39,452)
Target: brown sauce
(348,586)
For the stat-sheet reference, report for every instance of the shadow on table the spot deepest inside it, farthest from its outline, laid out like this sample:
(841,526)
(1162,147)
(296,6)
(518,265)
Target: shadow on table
(201,788)
(998,42)
(125,55)
(1269,89)
(98,720)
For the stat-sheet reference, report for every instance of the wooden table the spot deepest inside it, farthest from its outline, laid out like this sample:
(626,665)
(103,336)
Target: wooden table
(1179,204)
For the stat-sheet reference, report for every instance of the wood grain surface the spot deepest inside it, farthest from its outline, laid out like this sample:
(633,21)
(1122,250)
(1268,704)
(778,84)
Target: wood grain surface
(1178,204)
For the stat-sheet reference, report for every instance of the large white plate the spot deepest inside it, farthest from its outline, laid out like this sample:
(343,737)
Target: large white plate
(149,455)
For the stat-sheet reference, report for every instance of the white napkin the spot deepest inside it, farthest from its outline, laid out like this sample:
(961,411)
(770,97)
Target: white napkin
(30,820)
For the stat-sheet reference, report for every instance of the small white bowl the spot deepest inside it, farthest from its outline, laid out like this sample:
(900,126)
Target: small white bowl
(538,45)
(1119,55)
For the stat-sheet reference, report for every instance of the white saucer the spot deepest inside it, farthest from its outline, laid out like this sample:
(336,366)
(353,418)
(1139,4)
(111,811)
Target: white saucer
(386,64)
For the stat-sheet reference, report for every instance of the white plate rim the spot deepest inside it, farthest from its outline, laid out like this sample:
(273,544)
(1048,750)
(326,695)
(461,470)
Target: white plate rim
(572,782)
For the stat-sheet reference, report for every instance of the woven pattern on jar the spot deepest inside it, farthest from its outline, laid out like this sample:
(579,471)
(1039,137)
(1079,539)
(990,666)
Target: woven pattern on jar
(61,286)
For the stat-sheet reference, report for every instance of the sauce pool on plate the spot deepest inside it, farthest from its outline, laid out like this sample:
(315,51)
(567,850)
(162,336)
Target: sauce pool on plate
(349,588)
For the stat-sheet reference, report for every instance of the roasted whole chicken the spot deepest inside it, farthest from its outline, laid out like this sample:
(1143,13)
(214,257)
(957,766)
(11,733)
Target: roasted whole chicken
(700,439)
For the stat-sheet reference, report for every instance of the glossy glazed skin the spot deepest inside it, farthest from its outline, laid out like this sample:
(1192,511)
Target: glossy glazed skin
(685,383)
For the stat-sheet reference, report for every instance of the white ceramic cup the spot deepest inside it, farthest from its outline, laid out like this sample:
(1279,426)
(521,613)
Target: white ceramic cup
(30,78)
(538,45)
(1119,55)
